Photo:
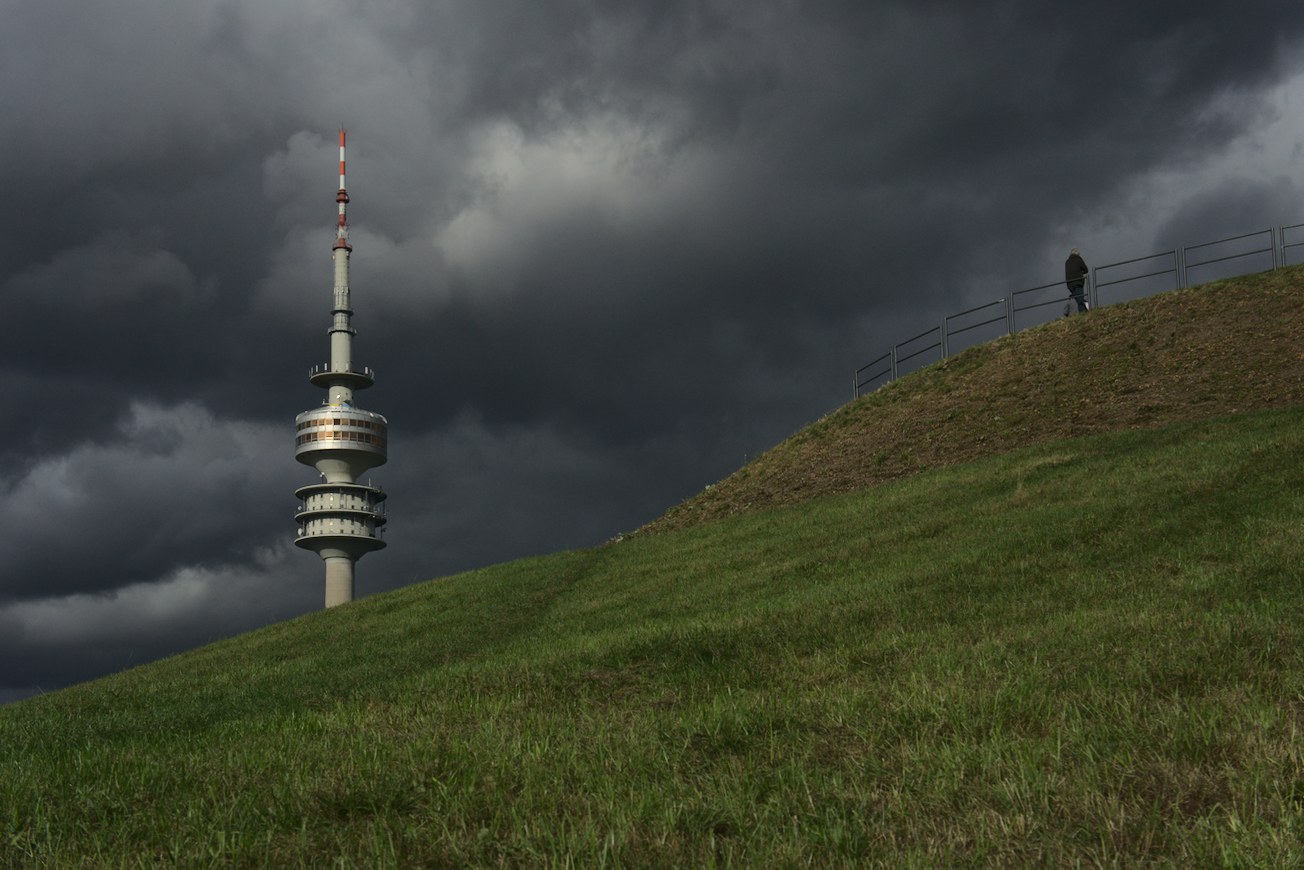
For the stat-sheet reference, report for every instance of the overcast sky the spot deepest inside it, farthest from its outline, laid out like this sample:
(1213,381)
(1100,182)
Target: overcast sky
(603,253)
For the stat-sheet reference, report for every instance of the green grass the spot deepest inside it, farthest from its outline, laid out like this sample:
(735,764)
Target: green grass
(1084,652)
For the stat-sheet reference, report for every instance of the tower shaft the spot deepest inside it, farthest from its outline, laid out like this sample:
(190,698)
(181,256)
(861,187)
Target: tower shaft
(341,331)
(339,580)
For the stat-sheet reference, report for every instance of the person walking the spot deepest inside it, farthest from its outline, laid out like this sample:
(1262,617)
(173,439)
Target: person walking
(1075,278)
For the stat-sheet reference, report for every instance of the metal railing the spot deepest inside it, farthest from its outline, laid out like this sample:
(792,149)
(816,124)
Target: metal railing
(1270,250)
(325,368)
(1286,246)
(1146,262)
(1135,276)
(1040,302)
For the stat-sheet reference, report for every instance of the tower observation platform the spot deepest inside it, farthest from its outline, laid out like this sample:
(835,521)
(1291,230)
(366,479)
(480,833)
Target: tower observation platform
(341,519)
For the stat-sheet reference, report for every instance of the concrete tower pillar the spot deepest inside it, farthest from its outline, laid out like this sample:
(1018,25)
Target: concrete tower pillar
(339,580)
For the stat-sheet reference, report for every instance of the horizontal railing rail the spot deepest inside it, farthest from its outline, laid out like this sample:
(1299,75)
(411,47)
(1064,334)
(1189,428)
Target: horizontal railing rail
(1016,308)
(1286,246)
(1175,270)
(869,379)
(934,346)
(948,332)
(1271,250)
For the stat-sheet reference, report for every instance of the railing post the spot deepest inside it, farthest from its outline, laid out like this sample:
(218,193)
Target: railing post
(945,320)
(1093,296)
(1009,314)
(894,362)
(855,387)
(1179,267)
(1272,233)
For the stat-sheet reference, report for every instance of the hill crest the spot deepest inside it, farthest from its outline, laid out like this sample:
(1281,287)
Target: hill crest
(1187,355)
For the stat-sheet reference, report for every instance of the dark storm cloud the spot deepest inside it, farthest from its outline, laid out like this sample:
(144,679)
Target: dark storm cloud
(1235,206)
(49,643)
(603,253)
(142,498)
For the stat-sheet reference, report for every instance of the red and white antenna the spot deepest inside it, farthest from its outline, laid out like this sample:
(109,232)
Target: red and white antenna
(342,197)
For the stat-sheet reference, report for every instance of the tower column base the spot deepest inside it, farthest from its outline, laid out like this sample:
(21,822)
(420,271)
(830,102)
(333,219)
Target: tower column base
(339,580)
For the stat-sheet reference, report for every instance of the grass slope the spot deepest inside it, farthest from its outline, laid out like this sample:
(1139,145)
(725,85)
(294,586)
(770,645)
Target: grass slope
(1079,652)
(1194,354)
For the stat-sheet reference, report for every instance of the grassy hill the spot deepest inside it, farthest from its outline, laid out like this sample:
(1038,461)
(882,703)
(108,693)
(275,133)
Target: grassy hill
(1079,650)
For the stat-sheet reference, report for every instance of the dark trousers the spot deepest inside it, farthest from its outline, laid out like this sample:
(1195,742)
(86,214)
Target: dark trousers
(1078,297)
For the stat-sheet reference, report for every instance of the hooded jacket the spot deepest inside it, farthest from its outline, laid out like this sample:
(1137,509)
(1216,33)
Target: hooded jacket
(1075,271)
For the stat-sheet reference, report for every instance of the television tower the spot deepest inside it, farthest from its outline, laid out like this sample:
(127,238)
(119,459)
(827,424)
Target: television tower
(339,518)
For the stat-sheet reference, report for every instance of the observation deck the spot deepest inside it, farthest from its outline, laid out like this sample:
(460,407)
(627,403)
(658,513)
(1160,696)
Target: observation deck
(355,379)
(347,518)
